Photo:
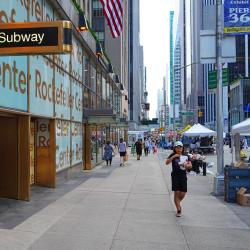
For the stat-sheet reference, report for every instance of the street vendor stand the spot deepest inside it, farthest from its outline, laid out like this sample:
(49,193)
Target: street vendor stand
(237,175)
(242,128)
(201,131)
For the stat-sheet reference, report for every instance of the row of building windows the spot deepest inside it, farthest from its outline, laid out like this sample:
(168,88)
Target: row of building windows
(100,92)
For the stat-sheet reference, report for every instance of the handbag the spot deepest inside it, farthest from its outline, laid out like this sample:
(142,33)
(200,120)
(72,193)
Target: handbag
(126,157)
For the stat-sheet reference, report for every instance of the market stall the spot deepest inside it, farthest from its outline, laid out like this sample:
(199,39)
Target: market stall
(242,128)
(201,131)
(237,175)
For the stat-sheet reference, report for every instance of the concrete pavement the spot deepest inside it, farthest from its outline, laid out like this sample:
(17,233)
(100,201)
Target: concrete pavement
(124,208)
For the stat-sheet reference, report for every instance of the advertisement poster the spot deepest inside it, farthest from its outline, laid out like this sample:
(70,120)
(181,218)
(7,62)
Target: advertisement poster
(39,11)
(41,86)
(77,101)
(76,68)
(42,133)
(77,136)
(236,17)
(63,99)
(62,145)
(13,69)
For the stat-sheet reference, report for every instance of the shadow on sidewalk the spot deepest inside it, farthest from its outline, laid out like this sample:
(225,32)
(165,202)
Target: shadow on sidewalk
(14,212)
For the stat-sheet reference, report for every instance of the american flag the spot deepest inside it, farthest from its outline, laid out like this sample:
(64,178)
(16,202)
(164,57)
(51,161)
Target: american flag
(113,13)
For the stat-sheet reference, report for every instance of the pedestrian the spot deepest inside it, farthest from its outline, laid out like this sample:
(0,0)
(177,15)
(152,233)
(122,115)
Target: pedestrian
(150,147)
(146,147)
(108,153)
(122,147)
(180,163)
(133,147)
(245,145)
(138,147)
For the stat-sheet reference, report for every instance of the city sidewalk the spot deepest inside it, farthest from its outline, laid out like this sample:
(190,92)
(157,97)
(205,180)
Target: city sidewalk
(122,208)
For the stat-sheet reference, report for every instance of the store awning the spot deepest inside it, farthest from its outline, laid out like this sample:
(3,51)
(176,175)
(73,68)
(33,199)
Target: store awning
(100,116)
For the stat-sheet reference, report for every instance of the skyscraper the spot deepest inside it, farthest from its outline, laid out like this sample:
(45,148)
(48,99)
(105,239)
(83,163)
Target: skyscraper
(135,62)
(171,53)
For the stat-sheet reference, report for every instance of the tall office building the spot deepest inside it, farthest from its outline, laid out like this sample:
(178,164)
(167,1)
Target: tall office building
(116,48)
(171,53)
(135,62)
(159,105)
(209,23)
(187,46)
(177,78)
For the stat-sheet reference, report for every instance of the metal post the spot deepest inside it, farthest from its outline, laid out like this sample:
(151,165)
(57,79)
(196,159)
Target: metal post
(219,93)
(165,107)
(246,56)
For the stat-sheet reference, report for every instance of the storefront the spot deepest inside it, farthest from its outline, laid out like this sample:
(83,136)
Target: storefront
(42,97)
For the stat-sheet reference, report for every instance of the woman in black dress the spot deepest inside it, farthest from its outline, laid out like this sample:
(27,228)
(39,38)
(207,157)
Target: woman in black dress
(138,147)
(180,163)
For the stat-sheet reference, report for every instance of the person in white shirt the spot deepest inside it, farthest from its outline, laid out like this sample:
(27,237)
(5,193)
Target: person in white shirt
(122,150)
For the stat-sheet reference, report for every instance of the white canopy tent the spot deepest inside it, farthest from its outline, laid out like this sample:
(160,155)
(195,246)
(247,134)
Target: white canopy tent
(199,130)
(242,128)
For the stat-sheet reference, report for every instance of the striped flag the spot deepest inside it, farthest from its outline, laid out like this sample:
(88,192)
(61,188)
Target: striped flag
(113,12)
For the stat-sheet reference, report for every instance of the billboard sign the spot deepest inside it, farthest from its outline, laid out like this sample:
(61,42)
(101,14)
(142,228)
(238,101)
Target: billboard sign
(236,17)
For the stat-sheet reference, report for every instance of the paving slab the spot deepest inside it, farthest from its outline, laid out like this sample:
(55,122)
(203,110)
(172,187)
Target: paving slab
(137,245)
(119,208)
(150,202)
(150,232)
(15,240)
(149,216)
(91,228)
(56,241)
(217,237)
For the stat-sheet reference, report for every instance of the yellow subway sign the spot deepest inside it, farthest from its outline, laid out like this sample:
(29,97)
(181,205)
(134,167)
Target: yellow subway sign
(35,38)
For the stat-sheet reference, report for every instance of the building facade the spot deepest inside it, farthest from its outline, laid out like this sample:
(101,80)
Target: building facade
(117,51)
(135,66)
(51,105)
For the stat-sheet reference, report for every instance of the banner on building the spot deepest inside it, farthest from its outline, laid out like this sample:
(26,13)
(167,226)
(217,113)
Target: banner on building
(237,17)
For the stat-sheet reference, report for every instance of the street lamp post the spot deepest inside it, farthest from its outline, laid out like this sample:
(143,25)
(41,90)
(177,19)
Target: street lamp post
(219,104)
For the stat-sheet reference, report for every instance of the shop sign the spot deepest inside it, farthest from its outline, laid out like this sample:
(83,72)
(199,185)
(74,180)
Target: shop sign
(237,17)
(35,38)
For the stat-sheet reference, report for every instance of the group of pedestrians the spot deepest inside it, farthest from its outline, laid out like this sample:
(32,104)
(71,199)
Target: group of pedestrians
(147,145)
(181,163)
(109,152)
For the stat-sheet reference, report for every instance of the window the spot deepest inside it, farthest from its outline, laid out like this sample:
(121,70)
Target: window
(100,36)
(97,5)
(93,76)
(98,13)
(201,101)
(86,67)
